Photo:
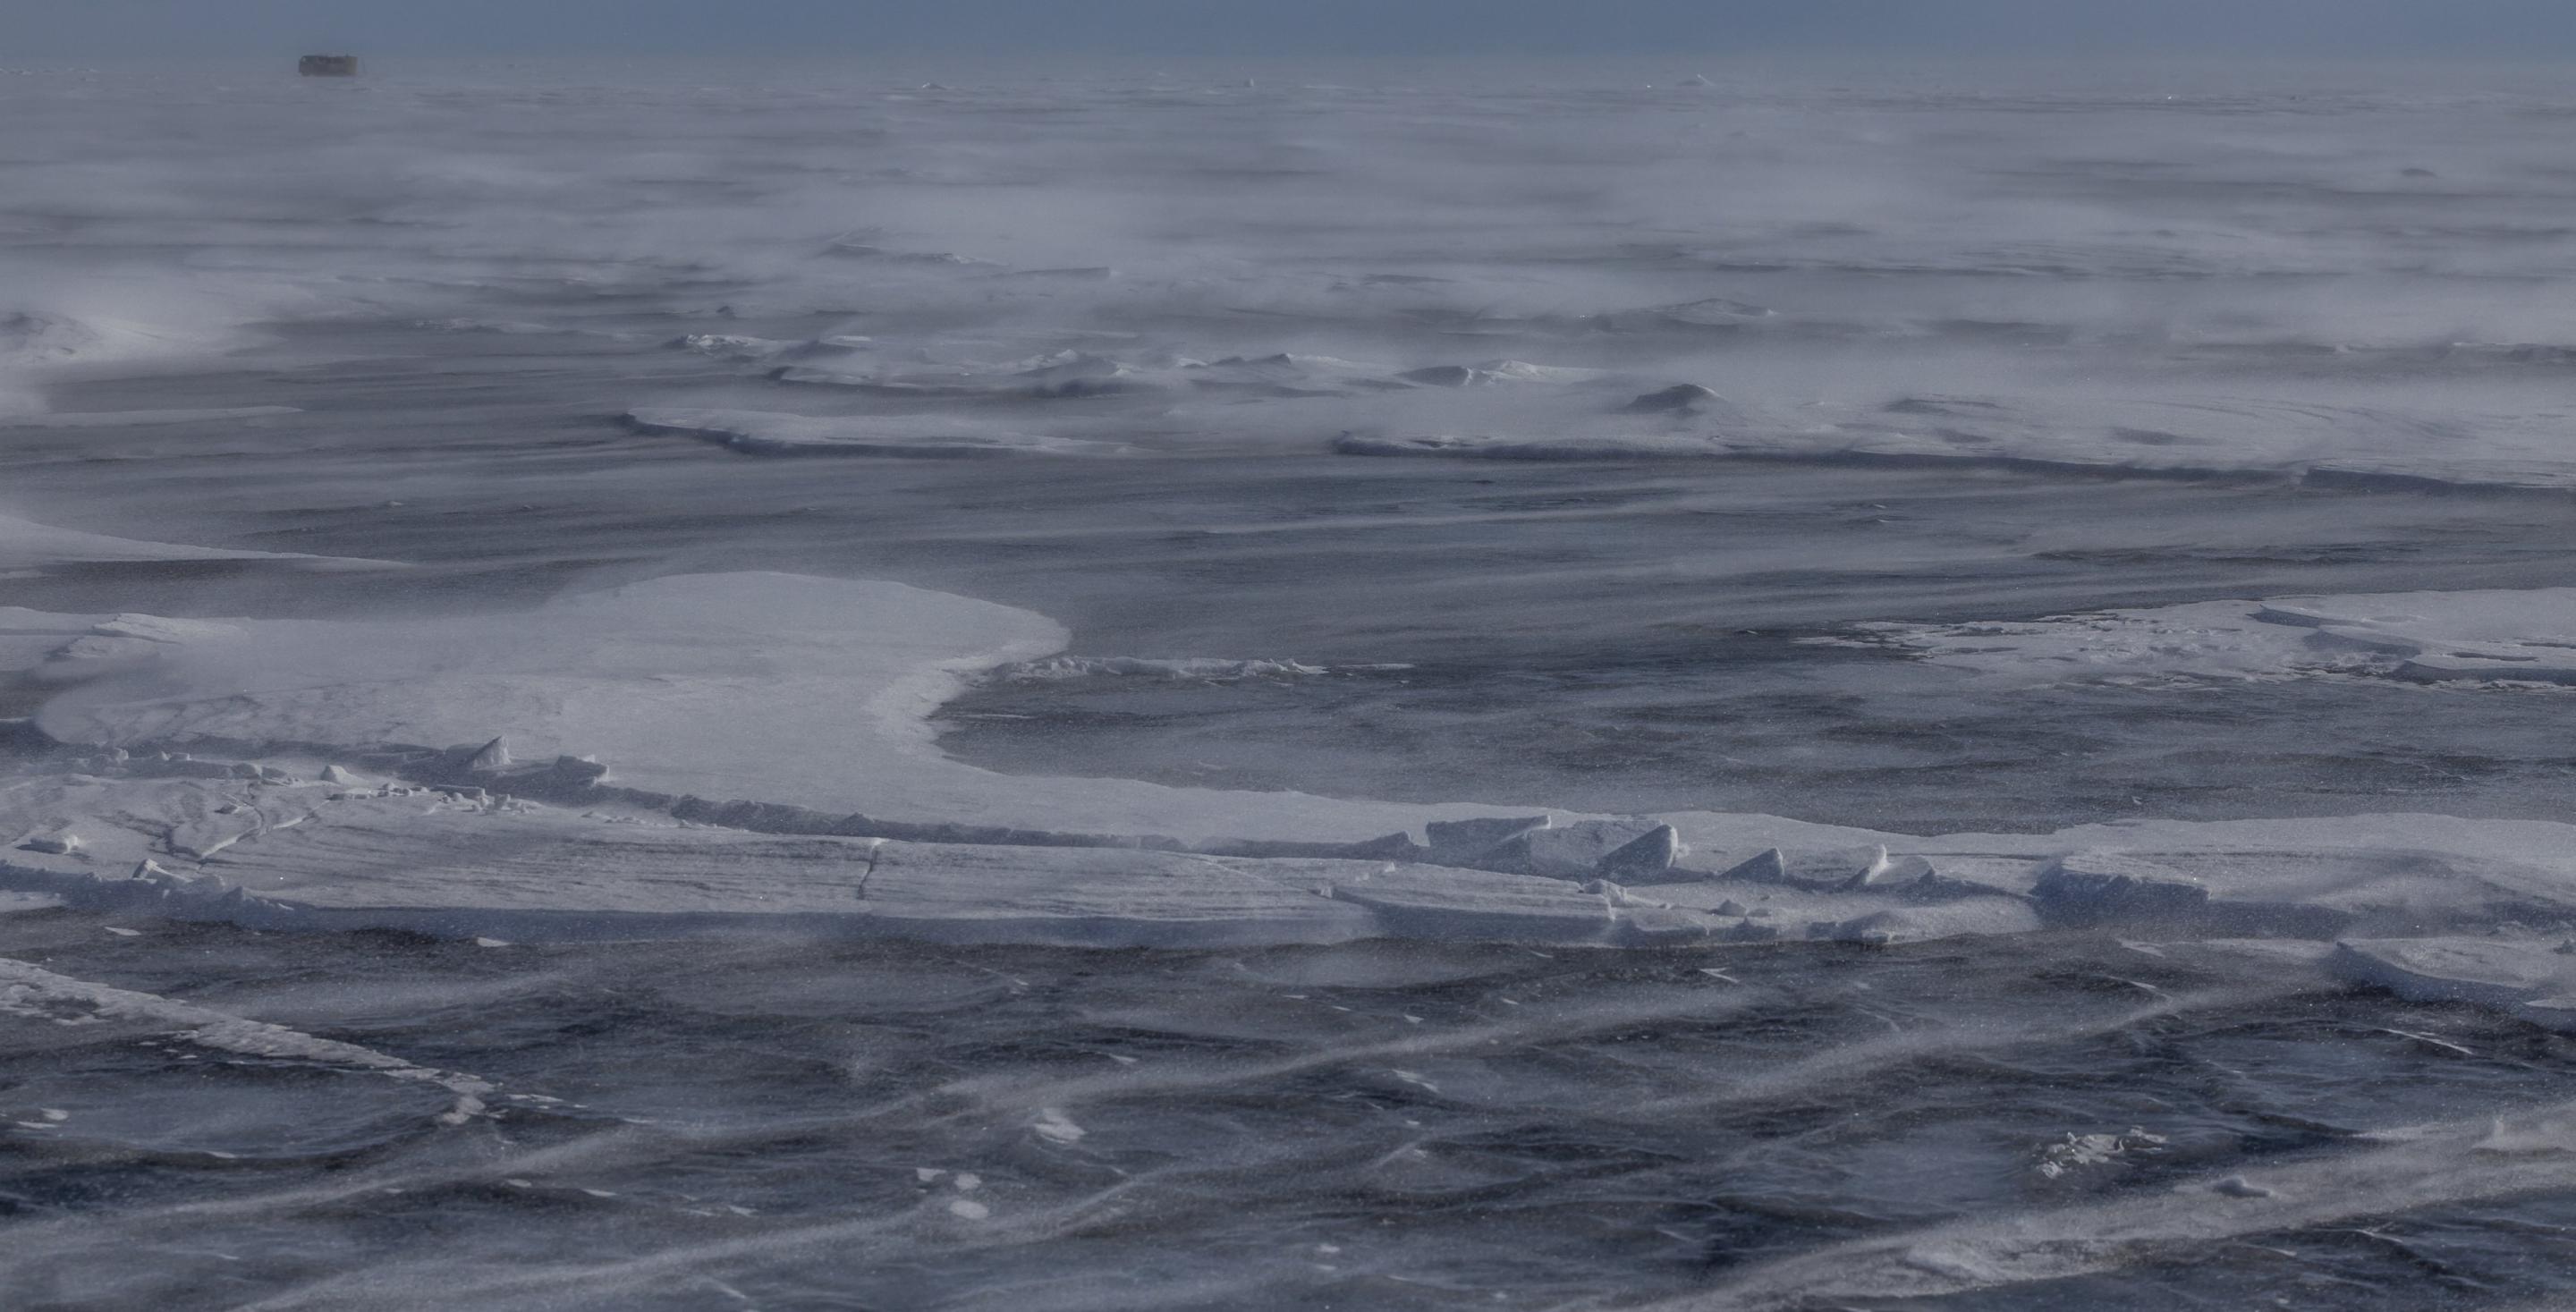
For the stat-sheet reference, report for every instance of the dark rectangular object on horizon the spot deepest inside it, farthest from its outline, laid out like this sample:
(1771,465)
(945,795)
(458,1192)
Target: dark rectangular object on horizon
(327,66)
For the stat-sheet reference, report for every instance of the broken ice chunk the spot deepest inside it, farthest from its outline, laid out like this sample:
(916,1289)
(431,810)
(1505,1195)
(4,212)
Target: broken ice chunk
(1651,853)
(1578,850)
(1453,842)
(1767,866)
(1679,397)
(494,755)
(2084,889)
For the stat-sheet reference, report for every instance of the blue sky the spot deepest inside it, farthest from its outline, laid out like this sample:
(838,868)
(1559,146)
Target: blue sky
(1288,27)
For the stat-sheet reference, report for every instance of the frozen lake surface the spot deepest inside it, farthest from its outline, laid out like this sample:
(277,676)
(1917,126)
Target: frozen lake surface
(1081,510)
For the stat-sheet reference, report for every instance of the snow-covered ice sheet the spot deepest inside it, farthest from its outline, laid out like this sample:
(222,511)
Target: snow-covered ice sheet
(765,764)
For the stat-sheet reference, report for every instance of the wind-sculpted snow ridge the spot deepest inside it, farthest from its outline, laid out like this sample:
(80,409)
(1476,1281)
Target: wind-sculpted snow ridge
(645,785)
(64,321)
(2480,637)
(766,433)
(27,546)
(35,993)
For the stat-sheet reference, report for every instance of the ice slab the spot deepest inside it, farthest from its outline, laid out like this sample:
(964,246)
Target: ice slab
(310,857)
(284,846)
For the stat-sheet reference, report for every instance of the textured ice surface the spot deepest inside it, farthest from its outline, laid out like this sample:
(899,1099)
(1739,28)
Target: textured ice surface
(623,787)
(2484,636)
(32,992)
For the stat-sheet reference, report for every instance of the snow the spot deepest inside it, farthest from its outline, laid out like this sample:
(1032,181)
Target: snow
(26,545)
(772,687)
(2533,977)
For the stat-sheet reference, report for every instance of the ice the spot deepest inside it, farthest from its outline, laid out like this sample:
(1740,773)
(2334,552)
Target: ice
(1495,372)
(1649,854)
(2403,1168)
(33,992)
(1583,849)
(2483,636)
(1184,668)
(766,433)
(2079,1151)
(251,845)
(2216,439)
(2095,888)
(1679,398)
